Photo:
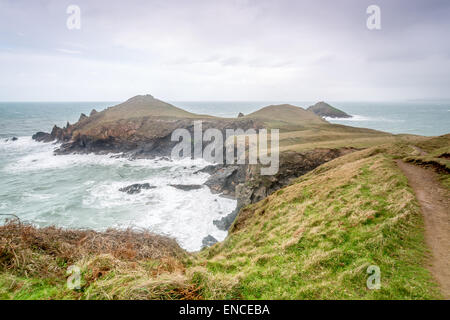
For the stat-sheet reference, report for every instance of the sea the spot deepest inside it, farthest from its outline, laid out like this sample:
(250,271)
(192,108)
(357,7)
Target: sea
(82,191)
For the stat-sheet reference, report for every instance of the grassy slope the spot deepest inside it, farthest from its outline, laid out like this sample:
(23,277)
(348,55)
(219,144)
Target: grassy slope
(311,240)
(316,238)
(286,114)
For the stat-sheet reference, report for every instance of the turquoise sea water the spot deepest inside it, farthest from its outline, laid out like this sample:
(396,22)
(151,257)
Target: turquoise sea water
(82,191)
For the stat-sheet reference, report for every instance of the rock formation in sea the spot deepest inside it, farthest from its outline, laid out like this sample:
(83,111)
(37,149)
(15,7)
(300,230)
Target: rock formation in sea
(323,109)
(136,188)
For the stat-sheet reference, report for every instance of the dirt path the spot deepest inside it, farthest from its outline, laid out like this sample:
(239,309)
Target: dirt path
(435,204)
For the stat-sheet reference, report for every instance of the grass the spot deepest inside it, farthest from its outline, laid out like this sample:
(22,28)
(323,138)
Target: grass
(435,153)
(314,239)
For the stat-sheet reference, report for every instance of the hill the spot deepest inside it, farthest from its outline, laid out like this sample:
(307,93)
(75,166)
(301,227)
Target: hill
(143,106)
(323,109)
(286,113)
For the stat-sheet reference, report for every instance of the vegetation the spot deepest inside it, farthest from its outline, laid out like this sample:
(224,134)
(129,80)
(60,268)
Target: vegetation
(311,240)
(323,109)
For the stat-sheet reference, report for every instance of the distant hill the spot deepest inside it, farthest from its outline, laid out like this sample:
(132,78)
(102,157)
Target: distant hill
(286,113)
(323,109)
(144,106)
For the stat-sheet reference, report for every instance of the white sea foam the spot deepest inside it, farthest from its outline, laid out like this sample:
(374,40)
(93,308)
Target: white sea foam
(360,118)
(40,156)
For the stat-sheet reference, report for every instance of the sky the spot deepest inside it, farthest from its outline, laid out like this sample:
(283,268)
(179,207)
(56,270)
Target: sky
(235,50)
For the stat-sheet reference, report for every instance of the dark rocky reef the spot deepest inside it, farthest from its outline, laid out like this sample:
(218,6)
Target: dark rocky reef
(11,139)
(136,188)
(187,187)
(43,137)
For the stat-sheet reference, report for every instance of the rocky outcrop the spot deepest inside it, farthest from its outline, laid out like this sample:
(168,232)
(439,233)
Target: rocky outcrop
(43,137)
(225,179)
(187,187)
(208,241)
(240,115)
(323,109)
(136,188)
(82,117)
(247,185)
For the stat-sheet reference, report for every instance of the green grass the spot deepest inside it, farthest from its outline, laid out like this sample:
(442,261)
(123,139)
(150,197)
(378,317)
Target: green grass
(316,239)
(26,288)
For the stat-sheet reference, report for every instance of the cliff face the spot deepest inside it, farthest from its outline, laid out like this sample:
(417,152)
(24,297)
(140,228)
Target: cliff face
(323,109)
(247,185)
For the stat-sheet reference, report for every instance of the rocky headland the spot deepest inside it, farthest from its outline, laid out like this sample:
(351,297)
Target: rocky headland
(142,126)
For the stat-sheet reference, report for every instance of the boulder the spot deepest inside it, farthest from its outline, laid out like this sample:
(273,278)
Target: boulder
(208,241)
(225,179)
(42,137)
(136,188)
(186,187)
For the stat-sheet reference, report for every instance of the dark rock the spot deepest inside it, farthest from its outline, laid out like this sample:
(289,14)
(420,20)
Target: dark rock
(61,134)
(225,179)
(210,169)
(136,188)
(42,137)
(83,117)
(93,112)
(208,241)
(186,187)
(225,222)
(240,115)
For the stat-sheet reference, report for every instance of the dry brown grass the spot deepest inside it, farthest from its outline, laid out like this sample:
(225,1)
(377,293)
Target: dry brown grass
(114,264)
(21,244)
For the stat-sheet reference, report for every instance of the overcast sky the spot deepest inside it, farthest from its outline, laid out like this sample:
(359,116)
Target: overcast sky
(224,50)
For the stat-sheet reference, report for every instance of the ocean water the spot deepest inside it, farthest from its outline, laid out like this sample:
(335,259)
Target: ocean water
(82,191)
